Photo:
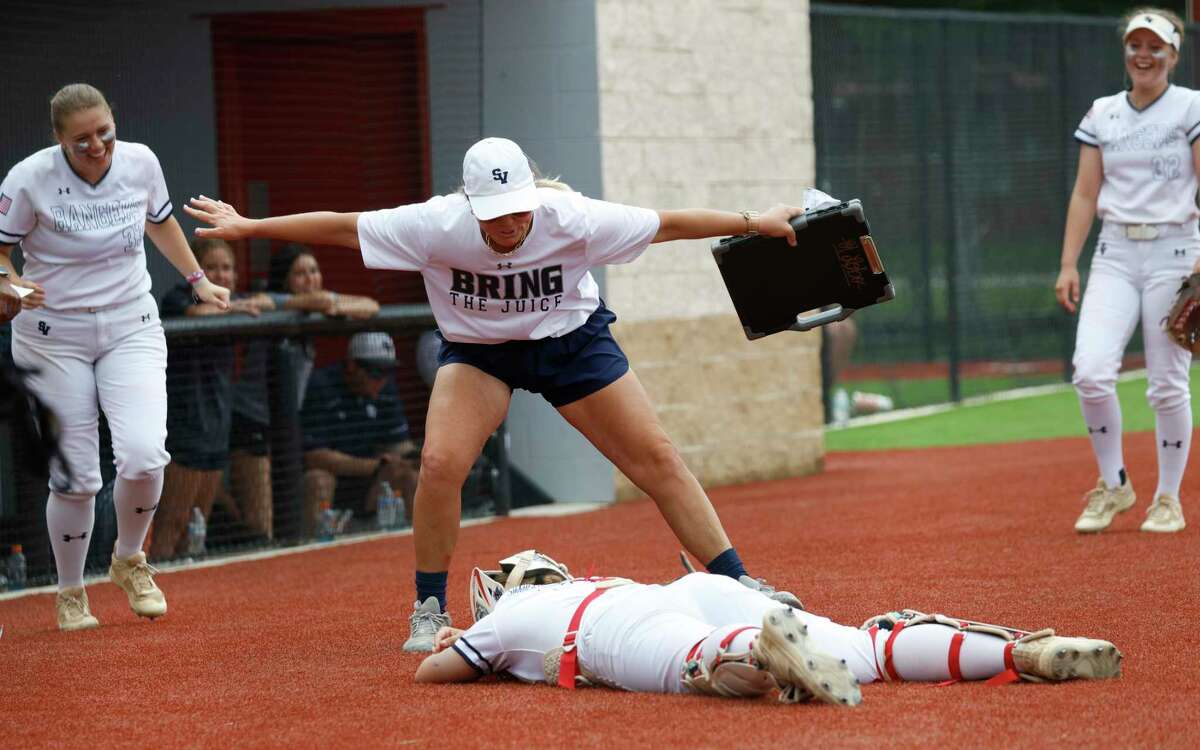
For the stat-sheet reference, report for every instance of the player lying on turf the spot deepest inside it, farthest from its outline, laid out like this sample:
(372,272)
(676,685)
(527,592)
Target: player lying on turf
(708,634)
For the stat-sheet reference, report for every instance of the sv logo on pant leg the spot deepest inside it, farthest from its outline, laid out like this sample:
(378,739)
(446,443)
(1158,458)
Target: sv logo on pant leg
(45,329)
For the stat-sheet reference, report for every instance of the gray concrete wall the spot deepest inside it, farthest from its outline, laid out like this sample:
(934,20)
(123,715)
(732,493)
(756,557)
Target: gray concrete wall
(709,103)
(540,89)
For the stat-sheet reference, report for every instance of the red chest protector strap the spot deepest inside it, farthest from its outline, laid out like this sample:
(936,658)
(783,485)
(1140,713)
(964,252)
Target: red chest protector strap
(568,668)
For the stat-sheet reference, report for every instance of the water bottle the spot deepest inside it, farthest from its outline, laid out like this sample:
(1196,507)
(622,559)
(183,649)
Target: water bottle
(385,513)
(327,520)
(401,513)
(197,530)
(16,568)
(841,407)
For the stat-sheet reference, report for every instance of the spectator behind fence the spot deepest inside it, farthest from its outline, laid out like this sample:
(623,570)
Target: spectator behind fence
(295,284)
(355,432)
(198,406)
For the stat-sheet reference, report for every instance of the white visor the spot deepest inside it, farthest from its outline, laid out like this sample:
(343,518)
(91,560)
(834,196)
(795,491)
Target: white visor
(1162,28)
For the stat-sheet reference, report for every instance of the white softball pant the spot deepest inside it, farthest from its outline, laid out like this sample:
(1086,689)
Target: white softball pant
(114,358)
(1130,281)
(641,641)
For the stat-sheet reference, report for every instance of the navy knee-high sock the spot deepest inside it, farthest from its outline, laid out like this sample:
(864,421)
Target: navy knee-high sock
(432,584)
(727,564)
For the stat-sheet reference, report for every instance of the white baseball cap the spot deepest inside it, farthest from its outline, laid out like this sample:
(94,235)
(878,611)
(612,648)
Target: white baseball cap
(375,347)
(1162,28)
(498,180)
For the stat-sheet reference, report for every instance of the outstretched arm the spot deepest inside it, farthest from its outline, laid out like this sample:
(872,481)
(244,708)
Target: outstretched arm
(446,665)
(698,223)
(169,239)
(318,228)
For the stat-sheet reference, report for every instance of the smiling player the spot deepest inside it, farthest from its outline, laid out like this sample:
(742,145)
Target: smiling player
(1137,171)
(90,331)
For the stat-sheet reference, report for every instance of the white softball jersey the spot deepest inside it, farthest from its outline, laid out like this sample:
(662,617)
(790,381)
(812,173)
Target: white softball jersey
(84,243)
(542,289)
(1149,175)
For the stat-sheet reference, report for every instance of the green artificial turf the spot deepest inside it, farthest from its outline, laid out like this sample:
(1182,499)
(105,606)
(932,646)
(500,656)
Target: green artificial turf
(1034,418)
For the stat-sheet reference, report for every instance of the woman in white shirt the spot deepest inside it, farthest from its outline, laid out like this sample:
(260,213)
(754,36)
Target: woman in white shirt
(505,264)
(1138,160)
(90,331)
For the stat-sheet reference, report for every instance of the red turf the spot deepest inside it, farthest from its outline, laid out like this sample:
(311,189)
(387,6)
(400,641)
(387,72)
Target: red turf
(304,650)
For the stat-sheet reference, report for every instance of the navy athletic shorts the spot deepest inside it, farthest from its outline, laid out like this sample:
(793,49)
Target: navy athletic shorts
(563,369)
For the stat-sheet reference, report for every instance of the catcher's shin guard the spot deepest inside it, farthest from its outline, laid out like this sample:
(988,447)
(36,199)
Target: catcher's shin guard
(713,666)
(1032,656)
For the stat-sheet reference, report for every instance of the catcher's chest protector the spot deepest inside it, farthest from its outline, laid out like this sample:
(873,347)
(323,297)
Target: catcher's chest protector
(835,262)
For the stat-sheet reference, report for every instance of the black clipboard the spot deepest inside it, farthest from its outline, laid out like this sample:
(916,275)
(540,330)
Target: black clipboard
(834,265)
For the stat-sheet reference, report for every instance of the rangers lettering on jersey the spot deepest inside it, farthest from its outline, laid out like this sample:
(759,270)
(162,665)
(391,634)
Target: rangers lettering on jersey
(1146,155)
(1149,137)
(81,217)
(83,242)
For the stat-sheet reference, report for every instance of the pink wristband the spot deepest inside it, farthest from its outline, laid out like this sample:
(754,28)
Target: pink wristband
(195,277)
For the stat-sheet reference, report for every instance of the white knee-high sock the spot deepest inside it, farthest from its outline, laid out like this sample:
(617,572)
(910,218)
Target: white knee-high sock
(135,501)
(1103,420)
(1173,436)
(922,653)
(69,519)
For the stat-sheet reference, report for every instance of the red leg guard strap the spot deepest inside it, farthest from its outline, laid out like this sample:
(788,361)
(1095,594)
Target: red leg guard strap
(892,674)
(1009,674)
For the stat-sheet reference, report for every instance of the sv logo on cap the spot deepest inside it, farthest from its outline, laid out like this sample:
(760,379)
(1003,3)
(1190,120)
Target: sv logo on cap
(500,176)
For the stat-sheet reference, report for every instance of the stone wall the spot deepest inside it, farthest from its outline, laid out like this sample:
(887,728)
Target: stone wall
(708,103)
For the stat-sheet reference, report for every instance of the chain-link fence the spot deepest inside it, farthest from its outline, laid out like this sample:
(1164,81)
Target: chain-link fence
(955,129)
(272,441)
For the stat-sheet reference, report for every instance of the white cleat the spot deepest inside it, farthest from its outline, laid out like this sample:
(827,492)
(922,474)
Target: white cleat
(802,671)
(1103,504)
(1164,516)
(135,577)
(73,611)
(1044,656)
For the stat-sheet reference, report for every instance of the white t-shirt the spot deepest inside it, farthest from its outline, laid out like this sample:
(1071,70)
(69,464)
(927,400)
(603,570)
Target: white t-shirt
(542,289)
(84,243)
(1149,177)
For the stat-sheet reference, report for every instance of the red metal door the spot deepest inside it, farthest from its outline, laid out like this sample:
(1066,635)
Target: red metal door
(323,110)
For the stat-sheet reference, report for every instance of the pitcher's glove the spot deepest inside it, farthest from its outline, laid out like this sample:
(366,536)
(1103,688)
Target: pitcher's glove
(1183,321)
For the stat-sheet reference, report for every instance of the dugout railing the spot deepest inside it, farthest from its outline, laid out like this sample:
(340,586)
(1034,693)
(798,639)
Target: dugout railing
(247,469)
